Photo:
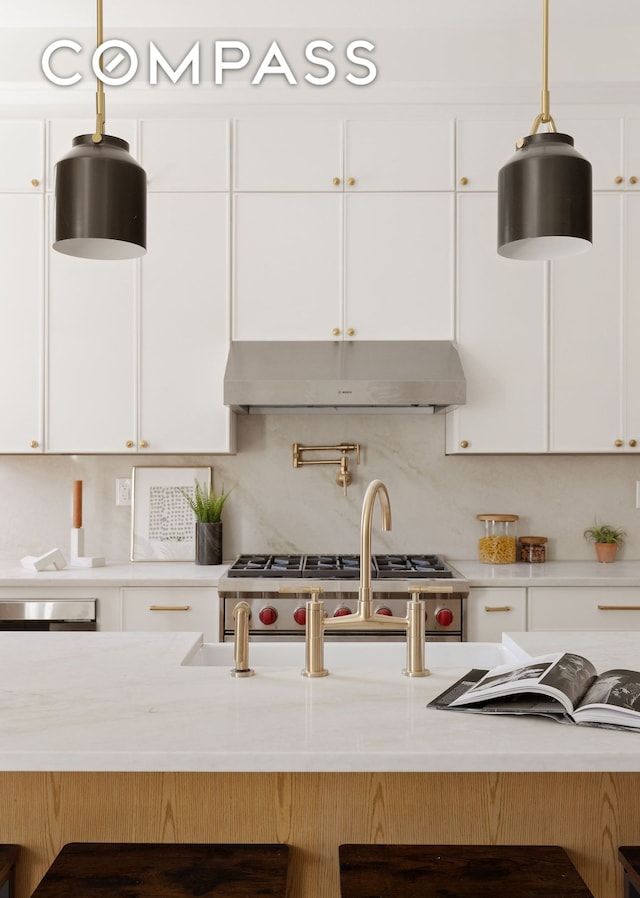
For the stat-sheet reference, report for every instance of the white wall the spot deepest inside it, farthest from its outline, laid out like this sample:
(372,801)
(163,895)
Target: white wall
(275,507)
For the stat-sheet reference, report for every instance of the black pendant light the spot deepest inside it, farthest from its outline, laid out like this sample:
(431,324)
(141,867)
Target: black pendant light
(544,190)
(100,193)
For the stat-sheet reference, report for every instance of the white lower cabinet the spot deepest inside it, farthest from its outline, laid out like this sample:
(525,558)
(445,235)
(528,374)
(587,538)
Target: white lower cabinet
(492,611)
(166,609)
(584,608)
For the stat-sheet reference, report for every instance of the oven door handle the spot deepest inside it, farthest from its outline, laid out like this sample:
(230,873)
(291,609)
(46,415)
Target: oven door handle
(430,587)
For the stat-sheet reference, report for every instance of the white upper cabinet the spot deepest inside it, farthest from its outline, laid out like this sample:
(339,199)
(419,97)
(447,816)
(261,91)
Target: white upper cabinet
(91,373)
(185,155)
(399,266)
(309,154)
(483,147)
(399,155)
(22,157)
(184,326)
(600,141)
(587,363)
(287,271)
(62,131)
(21,334)
(631,329)
(287,154)
(502,341)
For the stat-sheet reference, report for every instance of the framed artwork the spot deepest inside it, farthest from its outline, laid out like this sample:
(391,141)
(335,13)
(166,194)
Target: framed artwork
(162,522)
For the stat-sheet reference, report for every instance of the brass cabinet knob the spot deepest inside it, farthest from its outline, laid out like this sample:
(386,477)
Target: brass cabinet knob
(351,181)
(34,444)
(633,443)
(336,182)
(464,181)
(351,331)
(618,443)
(619,179)
(129,444)
(143,444)
(464,444)
(35,182)
(336,332)
(633,180)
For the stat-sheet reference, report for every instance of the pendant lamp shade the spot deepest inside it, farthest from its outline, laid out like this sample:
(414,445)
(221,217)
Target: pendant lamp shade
(100,201)
(544,200)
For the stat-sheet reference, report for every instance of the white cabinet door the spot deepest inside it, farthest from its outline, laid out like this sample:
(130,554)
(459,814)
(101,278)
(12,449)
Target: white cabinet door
(631,329)
(502,341)
(91,376)
(21,334)
(185,154)
(586,322)
(172,609)
(399,268)
(584,608)
(21,157)
(399,155)
(490,612)
(483,147)
(287,269)
(184,324)
(287,154)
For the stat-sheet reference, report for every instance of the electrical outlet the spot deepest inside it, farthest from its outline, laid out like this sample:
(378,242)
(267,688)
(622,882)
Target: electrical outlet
(123,491)
(637,493)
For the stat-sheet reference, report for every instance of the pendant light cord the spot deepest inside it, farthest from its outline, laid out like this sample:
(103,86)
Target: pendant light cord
(100,107)
(544,118)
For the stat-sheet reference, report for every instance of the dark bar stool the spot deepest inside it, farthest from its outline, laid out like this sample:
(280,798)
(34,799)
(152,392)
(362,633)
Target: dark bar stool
(630,857)
(8,857)
(159,870)
(458,871)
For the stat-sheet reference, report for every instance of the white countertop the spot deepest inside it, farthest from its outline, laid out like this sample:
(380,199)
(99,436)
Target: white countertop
(124,702)
(551,573)
(184,573)
(117,573)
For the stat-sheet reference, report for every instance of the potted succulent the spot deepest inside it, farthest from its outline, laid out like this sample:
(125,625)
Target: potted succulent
(207,507)
(606,540)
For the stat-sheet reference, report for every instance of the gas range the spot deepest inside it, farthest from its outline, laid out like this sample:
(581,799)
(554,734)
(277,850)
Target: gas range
(276,587)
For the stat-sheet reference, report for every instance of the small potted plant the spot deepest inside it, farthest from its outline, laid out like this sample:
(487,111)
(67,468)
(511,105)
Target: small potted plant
(207,507)
(606,540)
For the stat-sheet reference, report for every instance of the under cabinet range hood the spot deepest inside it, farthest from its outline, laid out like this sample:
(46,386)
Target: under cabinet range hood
(359,376)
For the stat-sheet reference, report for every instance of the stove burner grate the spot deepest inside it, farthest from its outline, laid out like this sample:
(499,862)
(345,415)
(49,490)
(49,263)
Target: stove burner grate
(343,567)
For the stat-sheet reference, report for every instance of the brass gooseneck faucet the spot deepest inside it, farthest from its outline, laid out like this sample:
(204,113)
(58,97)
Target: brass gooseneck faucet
(365,618)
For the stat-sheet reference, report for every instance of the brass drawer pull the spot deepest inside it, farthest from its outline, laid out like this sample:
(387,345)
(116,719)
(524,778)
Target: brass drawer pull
(435,587)
(169,607)
(491,608)
(618,607)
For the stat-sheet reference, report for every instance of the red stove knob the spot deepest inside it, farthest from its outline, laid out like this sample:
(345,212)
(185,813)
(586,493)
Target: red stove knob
(444,616)
(300,616)
(386,611)
(268,615)
(340,612)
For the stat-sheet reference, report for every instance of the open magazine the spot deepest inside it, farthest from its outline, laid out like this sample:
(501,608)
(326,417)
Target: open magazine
(563,686)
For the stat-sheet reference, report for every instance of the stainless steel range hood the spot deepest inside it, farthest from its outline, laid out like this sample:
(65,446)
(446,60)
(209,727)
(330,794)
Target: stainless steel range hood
(358,376)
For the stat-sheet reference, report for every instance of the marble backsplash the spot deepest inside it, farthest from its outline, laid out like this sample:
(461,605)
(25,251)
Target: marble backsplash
(274,506)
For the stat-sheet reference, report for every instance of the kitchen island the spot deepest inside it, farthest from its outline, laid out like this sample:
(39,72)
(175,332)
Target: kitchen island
(110,737)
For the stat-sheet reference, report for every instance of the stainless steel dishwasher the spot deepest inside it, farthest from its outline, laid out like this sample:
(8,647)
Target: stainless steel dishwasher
(48,614)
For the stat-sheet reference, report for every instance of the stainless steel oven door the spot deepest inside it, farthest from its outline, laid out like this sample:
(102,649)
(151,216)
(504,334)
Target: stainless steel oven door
(43,614)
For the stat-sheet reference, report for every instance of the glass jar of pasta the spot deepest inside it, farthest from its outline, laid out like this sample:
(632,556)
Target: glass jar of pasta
(497,545)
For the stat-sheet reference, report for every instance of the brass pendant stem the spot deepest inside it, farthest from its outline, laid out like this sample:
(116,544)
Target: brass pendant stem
(100,107)
(545,117)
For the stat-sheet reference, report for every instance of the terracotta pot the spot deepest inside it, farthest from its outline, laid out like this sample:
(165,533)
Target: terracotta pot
(208,542)
(606,552)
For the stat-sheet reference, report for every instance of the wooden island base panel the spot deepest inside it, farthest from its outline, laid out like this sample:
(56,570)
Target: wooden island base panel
(588,814)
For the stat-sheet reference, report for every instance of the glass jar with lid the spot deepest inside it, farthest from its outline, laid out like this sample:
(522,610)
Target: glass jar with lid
(497,545)
(533,549)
